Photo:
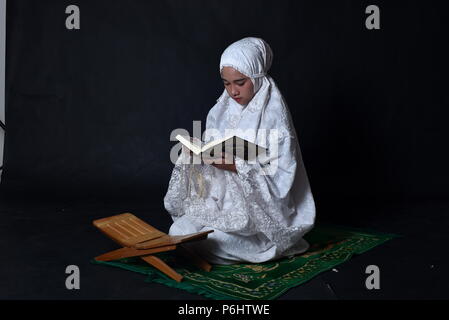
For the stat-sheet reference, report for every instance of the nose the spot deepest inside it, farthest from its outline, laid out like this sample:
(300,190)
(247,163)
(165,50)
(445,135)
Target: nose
(234,91)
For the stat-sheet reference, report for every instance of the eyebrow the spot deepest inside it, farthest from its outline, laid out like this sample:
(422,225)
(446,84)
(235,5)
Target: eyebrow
(234,80)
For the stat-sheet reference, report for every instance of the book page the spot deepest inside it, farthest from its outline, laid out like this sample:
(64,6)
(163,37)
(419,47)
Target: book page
(213,143)
(191,143)
(240,147)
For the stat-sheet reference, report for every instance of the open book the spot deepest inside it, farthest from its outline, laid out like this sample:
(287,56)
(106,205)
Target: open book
(233,144)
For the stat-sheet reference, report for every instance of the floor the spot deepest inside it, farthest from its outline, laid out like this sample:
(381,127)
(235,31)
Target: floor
(39,239)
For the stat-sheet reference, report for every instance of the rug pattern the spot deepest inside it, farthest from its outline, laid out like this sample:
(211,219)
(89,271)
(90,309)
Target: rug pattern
(329,247)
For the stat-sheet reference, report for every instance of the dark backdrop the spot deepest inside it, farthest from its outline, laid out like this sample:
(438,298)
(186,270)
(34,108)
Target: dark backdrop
(89,112)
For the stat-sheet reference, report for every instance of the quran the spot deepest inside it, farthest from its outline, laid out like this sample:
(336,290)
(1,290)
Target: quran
(233,144)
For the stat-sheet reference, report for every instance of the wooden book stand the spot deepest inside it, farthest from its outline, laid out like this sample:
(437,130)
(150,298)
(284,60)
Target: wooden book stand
(139,239)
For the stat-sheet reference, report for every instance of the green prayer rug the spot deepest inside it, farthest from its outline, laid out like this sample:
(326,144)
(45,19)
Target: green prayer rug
(329,247)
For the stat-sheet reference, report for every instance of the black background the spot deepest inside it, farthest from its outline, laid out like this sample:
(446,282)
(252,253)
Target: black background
(89,112)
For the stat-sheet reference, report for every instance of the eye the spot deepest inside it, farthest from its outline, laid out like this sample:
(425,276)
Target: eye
(240,83)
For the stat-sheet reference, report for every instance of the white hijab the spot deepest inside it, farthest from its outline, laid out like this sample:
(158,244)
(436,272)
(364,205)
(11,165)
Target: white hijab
(267,109)
(251,57)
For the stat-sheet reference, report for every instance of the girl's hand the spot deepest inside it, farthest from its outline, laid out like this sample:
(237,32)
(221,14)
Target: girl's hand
(186,150)
(209,160)
(190,157)
(227,162)
(227,158)
(223,158)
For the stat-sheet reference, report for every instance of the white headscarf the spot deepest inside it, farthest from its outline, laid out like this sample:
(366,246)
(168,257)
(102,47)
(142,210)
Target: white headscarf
(249,56)
(267,109)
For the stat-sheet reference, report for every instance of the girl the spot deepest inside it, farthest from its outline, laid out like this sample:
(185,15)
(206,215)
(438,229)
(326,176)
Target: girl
(256,217)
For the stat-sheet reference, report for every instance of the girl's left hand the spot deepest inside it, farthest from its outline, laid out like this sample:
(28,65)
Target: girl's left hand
(227,158)
(227,162)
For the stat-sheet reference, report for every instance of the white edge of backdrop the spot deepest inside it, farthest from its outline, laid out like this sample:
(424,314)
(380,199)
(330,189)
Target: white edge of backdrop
(2,75)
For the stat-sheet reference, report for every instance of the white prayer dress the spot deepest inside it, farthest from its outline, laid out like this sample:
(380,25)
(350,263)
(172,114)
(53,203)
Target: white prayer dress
(256,217)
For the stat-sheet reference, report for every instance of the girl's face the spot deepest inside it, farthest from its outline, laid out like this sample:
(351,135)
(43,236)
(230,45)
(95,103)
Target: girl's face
(238,86)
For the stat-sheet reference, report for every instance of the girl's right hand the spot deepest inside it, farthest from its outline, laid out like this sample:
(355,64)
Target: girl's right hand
(186,150)
(207,160)
(223,159)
